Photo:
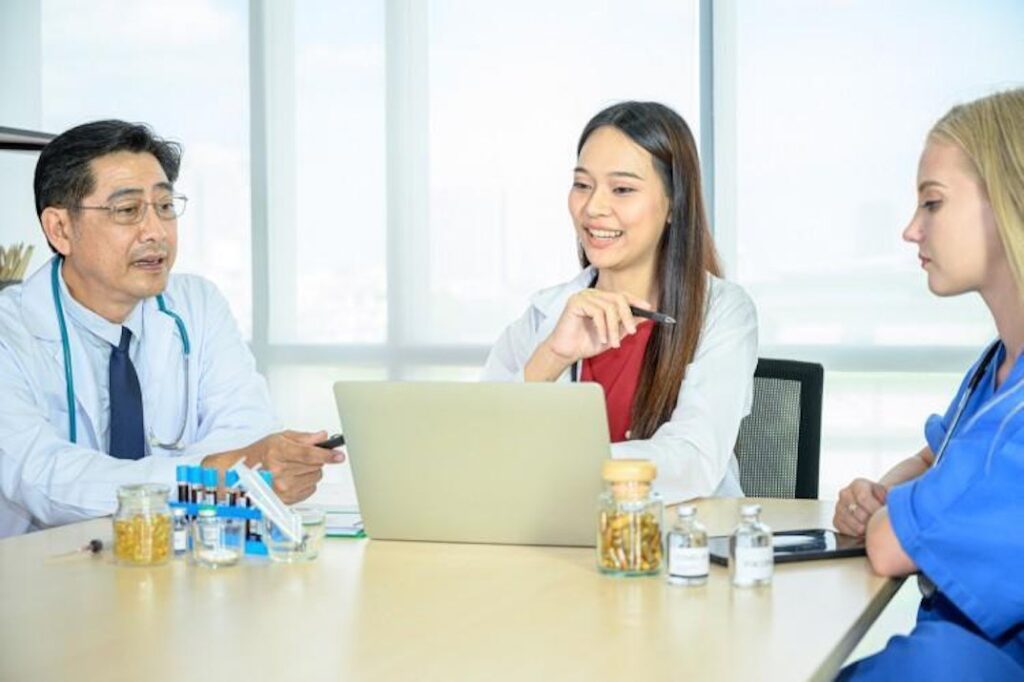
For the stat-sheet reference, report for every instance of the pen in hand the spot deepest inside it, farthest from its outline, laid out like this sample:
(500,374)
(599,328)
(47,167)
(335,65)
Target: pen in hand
(335,441)
(661,318)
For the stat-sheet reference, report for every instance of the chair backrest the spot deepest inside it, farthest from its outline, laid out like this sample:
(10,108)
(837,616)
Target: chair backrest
(779,443)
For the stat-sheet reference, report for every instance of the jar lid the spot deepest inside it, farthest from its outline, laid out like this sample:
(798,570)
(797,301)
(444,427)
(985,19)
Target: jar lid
(622,470)
(141,490)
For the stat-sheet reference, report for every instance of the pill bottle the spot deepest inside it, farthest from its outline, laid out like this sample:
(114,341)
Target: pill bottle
(687,549)
(751,558)
(142,525)
(629,519)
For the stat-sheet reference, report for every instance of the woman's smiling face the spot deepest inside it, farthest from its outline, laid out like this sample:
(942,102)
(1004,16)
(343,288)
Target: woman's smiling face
(618,202)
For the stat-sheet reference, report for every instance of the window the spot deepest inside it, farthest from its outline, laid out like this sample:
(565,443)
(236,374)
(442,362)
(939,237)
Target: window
(328,163)
(503,118)
(489,128)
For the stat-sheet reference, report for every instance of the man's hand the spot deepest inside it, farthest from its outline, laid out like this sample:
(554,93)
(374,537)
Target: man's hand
(857,504)
(291,456)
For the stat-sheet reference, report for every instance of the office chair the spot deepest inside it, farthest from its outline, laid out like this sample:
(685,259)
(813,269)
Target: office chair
(779,442)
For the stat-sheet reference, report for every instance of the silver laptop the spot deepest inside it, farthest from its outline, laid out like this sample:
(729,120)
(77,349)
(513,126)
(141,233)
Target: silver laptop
(507,463)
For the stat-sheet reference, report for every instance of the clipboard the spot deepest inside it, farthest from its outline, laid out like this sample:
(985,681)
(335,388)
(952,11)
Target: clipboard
(343,522)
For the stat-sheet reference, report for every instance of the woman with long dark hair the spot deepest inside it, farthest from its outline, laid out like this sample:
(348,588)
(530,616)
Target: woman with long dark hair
(675,392)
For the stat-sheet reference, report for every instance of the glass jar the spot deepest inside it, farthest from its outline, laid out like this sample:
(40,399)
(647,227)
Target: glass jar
(282,549)
(216,541)
(142,525)
(629,519)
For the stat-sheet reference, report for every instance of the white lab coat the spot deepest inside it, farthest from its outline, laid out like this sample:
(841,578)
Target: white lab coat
(46,480)
(693,451)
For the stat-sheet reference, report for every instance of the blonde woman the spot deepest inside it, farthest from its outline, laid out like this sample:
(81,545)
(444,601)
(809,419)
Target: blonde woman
(953,512)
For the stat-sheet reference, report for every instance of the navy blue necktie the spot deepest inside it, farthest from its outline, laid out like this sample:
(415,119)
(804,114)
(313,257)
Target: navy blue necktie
(127,440)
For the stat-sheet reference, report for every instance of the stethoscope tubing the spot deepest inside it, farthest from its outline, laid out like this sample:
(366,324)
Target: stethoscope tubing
(69,376)
(965,398)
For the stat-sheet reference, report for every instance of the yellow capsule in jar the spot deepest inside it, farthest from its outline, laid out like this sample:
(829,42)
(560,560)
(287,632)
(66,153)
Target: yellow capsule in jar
(142,525)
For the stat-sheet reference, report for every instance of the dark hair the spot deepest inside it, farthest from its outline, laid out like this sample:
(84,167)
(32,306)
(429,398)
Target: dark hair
(63,177)
(686,254)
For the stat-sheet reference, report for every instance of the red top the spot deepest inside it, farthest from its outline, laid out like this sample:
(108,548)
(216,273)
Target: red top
(618,372)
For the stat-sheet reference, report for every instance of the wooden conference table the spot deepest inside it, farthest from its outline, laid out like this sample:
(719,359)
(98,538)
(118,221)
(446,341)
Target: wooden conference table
(376,610)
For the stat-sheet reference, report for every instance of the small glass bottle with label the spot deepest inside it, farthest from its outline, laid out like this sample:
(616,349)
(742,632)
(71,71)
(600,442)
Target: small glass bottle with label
(751,561)
(687,549)
(214,543)
(179,524)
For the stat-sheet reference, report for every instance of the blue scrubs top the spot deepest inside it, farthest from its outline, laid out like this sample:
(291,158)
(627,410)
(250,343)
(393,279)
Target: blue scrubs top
(962,523)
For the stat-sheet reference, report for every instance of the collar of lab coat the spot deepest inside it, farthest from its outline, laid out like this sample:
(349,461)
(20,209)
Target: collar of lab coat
(40,316)
(550,302)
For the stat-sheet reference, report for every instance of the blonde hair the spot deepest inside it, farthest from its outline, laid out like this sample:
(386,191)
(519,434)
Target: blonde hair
(991,131)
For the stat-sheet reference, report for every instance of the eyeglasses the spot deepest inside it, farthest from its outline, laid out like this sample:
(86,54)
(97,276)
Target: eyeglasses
(133,211)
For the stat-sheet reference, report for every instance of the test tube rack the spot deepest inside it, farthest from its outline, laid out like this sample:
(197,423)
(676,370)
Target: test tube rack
(226,511)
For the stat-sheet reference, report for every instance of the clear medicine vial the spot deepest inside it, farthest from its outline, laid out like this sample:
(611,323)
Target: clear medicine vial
(179,523)
(750,550)
(687,549)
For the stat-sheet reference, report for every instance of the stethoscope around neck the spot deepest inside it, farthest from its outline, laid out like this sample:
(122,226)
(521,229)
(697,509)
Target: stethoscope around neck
(965,398)
(924,583)
(69,377)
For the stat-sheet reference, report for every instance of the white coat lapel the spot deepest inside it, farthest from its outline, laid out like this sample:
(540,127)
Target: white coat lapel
(40,315)
(550,303)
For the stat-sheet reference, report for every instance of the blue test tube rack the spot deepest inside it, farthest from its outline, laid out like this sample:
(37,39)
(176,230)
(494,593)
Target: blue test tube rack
(252,547)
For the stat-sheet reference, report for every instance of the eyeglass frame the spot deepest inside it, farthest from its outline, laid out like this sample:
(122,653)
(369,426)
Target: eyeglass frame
(109,208)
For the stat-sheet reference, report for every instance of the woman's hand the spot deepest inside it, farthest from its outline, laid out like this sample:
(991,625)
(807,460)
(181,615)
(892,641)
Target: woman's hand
(592,322)
(857,503)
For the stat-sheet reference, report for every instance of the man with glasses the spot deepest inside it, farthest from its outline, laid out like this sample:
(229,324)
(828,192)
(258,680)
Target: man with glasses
(112,370)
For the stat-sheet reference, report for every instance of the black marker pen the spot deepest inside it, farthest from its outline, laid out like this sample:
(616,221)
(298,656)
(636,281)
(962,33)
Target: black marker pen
(661,318)
(335,441)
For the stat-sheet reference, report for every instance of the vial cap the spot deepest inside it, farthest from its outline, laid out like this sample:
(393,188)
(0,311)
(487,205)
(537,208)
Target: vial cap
(230,478)
(207,510)
(178,511)
(195,475)
(267,477)
(750,510)
(210,478)
(181,473)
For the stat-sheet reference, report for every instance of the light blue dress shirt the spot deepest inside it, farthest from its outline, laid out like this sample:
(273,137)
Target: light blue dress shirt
(99,336)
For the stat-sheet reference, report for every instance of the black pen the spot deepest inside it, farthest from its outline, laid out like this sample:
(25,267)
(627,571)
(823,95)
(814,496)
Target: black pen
(652,315)
(335,441)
